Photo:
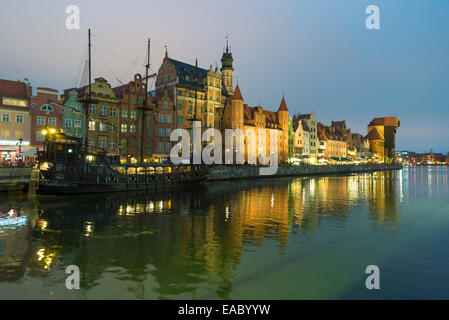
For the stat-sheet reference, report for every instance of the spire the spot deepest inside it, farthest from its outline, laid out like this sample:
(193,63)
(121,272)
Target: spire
(166,51)
(283,105)
(226,59)
(237,94)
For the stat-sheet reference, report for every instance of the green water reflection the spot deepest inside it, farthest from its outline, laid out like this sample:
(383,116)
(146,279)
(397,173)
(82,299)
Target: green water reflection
(261,239)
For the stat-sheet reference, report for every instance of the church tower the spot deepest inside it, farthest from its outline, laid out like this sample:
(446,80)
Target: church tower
(227,71)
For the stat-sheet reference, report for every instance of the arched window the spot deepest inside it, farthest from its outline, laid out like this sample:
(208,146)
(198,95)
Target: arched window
(47,107)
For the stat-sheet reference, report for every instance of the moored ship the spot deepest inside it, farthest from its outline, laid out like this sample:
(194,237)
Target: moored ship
(65,168)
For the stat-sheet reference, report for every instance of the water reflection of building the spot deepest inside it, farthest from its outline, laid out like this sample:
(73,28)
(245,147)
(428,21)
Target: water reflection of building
(187,244)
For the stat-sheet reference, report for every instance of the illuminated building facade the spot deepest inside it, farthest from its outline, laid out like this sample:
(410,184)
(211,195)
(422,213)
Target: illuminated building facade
(381,136)
(15,122)
(103,117)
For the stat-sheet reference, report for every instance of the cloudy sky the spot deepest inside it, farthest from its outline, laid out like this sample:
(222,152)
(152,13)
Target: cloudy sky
(318,51)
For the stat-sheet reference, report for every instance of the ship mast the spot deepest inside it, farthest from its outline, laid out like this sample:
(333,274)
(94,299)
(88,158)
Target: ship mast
(86,102)
(147,67)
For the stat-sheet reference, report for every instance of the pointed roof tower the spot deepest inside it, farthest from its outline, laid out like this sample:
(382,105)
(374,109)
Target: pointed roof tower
(237,94)
(283,105)
(226,59)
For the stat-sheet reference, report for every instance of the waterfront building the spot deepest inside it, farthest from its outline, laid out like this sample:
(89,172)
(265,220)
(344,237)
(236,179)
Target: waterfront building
(299,141)
(361,147)
(381,136)
(73,120)
(132,105)
(164,116)
(197,94)
(310,120)
(238,115)
(290,138)
(103,117)
(15,122)
(334,141)
(47,115)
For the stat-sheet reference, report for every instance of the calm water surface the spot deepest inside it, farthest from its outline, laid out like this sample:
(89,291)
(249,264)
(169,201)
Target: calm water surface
(302,238)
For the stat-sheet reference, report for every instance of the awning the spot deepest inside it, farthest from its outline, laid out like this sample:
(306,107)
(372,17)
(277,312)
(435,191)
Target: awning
(26,151)
(342,159)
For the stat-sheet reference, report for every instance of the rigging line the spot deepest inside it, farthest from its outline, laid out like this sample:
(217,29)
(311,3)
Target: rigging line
(116,78)
(117,40)
(80,64)
(133,65)
(161,46)
(82,71)
(113,54)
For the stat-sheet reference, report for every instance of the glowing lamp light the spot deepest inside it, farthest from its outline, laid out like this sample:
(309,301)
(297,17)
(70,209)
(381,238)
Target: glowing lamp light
(52,130)
(44,132)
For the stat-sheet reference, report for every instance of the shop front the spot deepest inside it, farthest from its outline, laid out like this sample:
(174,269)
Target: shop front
(11,156)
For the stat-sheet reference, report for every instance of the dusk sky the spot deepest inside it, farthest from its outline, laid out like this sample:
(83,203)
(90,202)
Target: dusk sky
(318,51)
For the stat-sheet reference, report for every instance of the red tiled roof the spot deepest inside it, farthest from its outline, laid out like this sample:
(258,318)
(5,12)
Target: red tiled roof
(385,121)
(237,94)
(341,123)
(119,90)
(305,127)
(13,89)
(304,116)
(283,106)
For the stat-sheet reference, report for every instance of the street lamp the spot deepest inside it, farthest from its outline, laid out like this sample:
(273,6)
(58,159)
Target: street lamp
(20,150)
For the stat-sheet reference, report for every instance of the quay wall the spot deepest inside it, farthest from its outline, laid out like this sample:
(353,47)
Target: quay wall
(14,179)
(224,172)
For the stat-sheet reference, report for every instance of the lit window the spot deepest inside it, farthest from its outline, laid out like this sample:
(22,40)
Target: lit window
(132,128)
(77,123)
(19,135)
(124,113)
(5,134)
(133,115)
(103,127)
(92,125)
(124,128)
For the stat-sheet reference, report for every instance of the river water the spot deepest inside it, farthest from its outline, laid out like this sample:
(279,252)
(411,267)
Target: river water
(286,238)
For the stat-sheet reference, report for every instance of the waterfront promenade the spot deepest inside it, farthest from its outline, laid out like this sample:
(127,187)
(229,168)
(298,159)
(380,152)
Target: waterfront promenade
(17,179)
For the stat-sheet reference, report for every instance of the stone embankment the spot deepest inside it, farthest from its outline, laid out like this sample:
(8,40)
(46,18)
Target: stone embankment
(14,179)
(249,172)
